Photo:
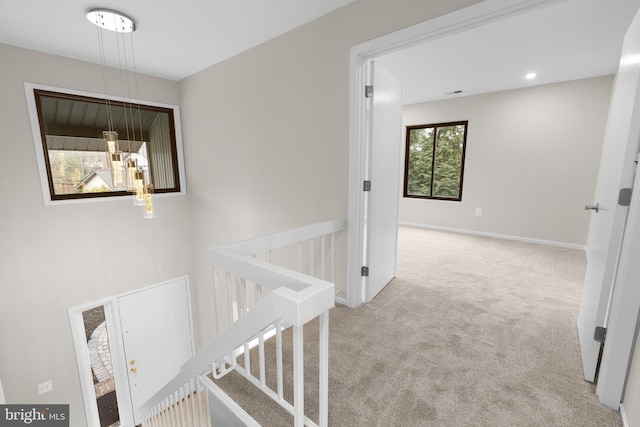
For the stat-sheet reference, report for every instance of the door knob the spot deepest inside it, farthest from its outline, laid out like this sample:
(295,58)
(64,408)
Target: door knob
(134,370)
(595,207)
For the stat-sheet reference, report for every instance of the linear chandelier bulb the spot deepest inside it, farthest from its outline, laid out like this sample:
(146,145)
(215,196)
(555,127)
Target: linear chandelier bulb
(148,202)
(116,169)
(131,169)
(111,138)
(138,188)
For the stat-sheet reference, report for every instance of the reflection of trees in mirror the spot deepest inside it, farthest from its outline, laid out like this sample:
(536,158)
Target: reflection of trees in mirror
(434,161)
(101,368)
(70,170)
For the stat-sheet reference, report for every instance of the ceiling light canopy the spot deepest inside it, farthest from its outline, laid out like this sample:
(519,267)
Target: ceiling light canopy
(111,20)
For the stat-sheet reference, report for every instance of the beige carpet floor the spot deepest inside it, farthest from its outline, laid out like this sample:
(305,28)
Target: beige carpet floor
(473,331)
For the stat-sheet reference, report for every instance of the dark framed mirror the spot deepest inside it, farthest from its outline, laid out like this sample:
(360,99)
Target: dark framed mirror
(76,160)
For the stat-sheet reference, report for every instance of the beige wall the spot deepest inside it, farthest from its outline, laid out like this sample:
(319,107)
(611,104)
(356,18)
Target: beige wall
(531,161)
(56,257)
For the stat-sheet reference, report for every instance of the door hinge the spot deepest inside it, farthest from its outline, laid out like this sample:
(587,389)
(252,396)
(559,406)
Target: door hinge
(624,197)
(364,271)
(368,91)
(600,334)
(366,186)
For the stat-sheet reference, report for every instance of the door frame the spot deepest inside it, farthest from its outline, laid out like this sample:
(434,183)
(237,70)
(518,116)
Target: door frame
(443,26)
(118,359)
(118,362)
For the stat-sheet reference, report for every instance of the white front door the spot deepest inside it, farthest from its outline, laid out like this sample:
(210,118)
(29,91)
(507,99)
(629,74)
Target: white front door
(608,223)
(384,173)
(156,331)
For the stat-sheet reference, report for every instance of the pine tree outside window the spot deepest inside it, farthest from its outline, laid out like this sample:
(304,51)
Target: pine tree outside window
(434,161)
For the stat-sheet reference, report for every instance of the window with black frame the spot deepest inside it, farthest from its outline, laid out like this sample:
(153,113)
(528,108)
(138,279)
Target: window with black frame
(434,160)
(77,160)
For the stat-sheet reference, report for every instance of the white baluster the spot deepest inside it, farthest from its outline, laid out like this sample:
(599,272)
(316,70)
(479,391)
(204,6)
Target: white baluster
(323,371)
(298,376)
(279,374)
(263,378)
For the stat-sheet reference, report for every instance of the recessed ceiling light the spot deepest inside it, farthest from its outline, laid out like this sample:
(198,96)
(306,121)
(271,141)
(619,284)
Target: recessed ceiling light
(530,76)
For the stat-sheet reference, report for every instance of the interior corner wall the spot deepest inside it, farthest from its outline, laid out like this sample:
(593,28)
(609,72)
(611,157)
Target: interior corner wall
(267,132)
(56,257)
(531,163)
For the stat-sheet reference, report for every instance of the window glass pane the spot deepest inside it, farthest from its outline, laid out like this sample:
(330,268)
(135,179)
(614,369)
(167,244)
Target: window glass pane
(448,161)
(420,162)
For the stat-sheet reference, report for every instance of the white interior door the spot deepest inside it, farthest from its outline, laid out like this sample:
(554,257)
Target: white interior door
(384,173)
(623,317)
(157,336)
(608,223)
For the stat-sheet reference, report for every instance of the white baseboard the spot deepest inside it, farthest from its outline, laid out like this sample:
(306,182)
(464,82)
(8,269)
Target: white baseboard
(497,236)
(342,301)
(623,416)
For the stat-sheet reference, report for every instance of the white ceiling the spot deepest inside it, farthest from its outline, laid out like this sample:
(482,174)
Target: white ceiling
(570,40)
(173,38)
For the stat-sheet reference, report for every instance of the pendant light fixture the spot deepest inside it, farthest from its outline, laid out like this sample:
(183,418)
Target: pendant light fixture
(127,170)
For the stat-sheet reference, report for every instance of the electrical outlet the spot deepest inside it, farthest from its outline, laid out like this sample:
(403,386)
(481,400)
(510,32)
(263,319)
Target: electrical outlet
(45,387)
(478,211)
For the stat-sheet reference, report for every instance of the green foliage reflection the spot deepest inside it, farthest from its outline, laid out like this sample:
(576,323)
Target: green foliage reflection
(435,155)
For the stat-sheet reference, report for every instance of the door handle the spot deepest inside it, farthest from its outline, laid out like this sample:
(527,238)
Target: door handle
(134,370)
(595,207)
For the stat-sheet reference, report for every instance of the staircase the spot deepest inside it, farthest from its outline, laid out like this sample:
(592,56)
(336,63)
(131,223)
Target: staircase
(261,286)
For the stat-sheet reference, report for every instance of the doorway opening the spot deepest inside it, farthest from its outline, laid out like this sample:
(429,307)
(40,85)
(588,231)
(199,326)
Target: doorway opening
(359,118)
(128,346)
(97,338)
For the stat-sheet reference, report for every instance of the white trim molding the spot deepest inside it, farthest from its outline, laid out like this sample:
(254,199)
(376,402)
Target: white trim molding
(3,401)
(498,236)
(623,416)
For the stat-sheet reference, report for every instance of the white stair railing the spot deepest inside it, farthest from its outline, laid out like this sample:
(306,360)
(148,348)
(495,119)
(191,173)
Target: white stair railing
(188,405)
(266,298)
(309,250)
